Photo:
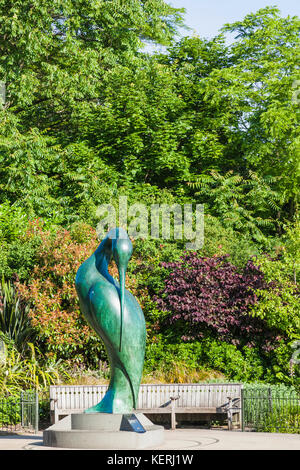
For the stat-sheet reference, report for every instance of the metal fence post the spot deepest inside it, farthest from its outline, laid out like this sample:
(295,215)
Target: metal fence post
(242,410)
(36,420)
(22,407)
(270,399)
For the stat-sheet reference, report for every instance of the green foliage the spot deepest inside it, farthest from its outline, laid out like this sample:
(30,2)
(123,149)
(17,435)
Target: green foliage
(240,109)
(48,181)
(90,117)
(45,40)
(258,87)
(236,365)
(86,110)
(247,205)
(23,373)
(14,320)
(220,240)
(291,249)
(20,258)
(22,177)
(9,410)
(279,306)
(13,222)
(244,366)
(18,253)
(139,128)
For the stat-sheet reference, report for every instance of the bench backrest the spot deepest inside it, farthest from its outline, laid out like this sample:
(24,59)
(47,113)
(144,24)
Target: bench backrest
(80,397)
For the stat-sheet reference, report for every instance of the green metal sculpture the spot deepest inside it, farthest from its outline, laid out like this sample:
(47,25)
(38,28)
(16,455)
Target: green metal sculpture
(117,318)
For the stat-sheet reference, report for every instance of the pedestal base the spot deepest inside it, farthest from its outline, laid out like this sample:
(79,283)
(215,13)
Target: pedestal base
(104,431)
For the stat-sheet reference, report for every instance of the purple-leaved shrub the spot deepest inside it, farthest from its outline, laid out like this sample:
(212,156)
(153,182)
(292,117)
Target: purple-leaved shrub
(212,297)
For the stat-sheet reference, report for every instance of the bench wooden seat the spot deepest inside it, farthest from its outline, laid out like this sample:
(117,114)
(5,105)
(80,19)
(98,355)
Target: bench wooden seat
(212,410)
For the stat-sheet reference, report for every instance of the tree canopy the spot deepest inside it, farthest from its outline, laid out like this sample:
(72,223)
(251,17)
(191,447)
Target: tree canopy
(89,115)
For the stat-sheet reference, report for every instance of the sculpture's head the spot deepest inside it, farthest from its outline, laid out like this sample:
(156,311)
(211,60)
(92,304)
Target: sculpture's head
(121,247)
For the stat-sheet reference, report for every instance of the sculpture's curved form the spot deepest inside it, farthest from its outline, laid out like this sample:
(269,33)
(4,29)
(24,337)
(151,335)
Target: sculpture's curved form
(117,318)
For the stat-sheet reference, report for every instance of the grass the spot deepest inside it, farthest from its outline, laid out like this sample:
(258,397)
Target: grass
(176,372)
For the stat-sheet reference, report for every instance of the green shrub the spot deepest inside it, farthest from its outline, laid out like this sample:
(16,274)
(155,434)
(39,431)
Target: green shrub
(14,320)
(207,354)
(10,410)
(19,372)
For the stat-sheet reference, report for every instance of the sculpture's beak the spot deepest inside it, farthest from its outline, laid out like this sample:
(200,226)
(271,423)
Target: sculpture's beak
(122,275)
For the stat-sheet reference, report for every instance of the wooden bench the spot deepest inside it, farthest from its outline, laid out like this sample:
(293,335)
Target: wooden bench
(155,399)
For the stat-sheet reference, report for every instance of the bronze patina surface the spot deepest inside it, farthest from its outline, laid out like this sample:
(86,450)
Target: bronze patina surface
(115,315)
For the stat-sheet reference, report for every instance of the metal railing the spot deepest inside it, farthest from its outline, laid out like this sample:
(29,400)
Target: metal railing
(20,413)
(270,411)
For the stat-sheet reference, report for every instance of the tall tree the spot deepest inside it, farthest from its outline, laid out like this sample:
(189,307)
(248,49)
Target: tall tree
(57,60)
(259,88)
(54,54)
(240,101)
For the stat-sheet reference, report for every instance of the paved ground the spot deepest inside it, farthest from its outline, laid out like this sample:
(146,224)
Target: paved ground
(183,439)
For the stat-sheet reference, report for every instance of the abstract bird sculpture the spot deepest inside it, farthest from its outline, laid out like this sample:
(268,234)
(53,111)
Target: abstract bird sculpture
(117,318)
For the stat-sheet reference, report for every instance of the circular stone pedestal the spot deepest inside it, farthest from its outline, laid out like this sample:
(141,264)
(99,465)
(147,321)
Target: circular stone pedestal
(104,431)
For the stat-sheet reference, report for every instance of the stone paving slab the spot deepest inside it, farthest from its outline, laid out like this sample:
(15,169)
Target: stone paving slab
(183,439)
